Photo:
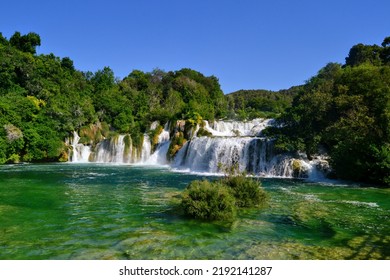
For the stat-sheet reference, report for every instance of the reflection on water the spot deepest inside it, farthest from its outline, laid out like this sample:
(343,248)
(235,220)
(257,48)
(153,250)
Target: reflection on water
(66,211)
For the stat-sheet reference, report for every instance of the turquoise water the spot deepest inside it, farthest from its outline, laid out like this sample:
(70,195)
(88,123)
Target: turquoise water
(69,211)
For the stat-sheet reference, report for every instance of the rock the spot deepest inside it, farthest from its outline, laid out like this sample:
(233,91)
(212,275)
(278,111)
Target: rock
(300,168)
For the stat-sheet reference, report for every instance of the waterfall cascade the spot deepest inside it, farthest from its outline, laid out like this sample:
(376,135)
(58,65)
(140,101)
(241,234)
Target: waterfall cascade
(232,143)
(118,149)
(254,155)
(79,153)
(159,157)
(111,150)
(238,128)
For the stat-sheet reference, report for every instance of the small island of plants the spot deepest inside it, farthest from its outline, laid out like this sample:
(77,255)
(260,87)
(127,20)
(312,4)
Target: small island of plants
(221,199)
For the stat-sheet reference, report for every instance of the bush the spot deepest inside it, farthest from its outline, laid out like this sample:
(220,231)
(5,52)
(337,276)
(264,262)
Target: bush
(204,132)
(220,199)
(208,201)
(177,143)
(14,158)
(247,191)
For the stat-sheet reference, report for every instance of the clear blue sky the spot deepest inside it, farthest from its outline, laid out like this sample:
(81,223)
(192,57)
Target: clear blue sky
(247,44)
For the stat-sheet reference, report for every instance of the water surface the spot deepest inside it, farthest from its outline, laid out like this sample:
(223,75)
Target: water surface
(91,211)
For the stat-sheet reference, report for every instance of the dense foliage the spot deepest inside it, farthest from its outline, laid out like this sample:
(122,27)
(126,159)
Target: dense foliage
(220,199)
(247,191)
(345,110)
(43,98)
(250,104)
(206,200)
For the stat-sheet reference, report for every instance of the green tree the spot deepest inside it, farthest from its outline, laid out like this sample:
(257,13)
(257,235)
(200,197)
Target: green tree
(3,40)
(67,63)
(347,111)
(25,43)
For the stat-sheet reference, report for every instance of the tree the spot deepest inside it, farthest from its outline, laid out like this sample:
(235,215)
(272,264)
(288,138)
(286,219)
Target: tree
(103,79)
(3,40)
(386,42)
(372,54)
(67,63)
(347,111)
(25,43)
(386,51)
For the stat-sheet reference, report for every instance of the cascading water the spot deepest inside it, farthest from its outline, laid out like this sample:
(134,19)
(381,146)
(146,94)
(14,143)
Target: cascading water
(164,135)
(236,143)
(253,155)
(159,157)
(146,149)
(232,144)
(110,150)
(80,153)
(117,149)
(238,128)
(213,154)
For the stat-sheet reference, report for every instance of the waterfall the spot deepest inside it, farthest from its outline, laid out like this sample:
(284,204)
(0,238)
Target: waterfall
(146,149)
(253,155)
(233,143)
(164,135)
(238,128)
(116,150)
(80,153)
(111,150)
(209,154)
(159,157)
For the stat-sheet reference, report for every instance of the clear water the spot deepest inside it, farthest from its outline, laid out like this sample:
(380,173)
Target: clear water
(90,211)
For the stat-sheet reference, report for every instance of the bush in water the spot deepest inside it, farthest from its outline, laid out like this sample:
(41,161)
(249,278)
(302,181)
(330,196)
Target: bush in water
(206,200)
(220,199)
(247,191)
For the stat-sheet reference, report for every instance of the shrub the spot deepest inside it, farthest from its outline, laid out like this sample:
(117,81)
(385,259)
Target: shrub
(203,132)
(177,143)
(220,199)
(14,158)
(154,135)
(247,191)
(208,201)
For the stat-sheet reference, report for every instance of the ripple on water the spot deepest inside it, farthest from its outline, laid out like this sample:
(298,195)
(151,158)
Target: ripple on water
(123,212)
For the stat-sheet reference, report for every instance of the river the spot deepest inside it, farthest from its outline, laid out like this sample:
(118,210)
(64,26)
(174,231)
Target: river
(107,211)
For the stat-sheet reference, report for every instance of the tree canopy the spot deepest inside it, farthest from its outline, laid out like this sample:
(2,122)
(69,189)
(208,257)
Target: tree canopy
(43,98)
(345,109)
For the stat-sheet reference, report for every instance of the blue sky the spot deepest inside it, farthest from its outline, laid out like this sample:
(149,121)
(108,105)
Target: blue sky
(247,44)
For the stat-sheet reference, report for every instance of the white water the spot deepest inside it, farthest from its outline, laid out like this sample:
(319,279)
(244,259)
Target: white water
(80,153)
(110,150)
(164,135)
(114,150)
(146,149)
(211,155)
(238,128)
(254,155)
(159,157)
